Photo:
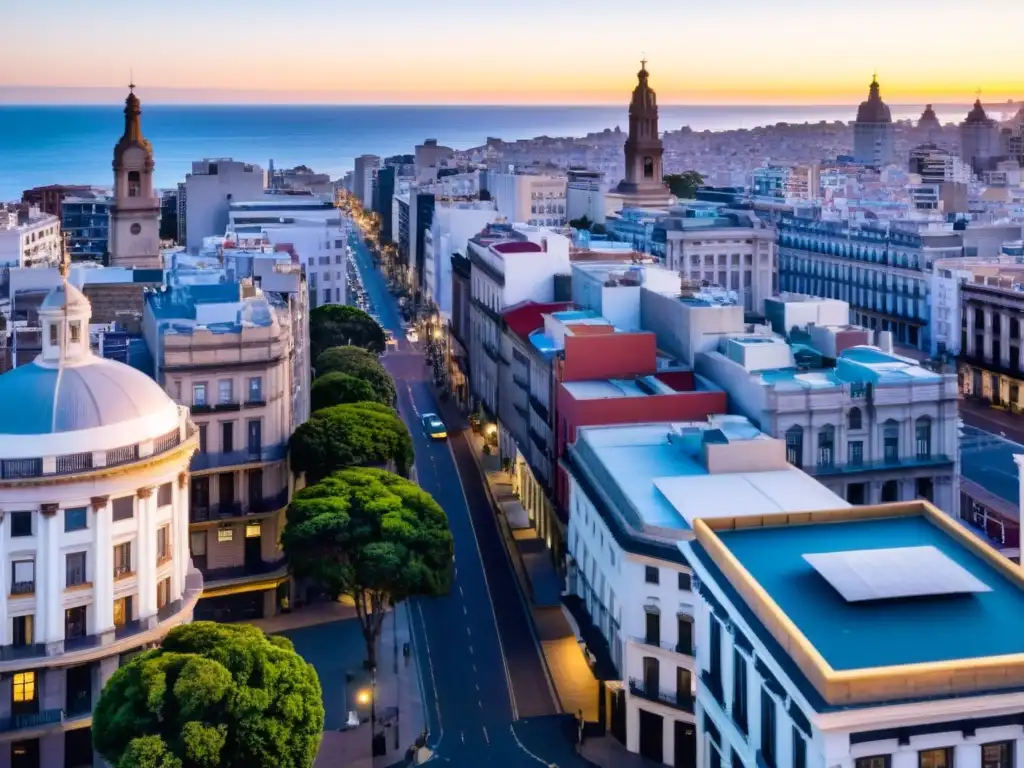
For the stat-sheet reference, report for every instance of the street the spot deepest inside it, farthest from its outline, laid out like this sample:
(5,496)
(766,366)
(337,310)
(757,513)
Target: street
(489,699)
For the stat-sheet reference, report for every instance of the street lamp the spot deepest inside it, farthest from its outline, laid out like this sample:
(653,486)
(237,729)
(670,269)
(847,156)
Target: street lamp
(363,697)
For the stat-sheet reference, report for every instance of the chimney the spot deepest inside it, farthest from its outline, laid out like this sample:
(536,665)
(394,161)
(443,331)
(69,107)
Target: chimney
(884,341)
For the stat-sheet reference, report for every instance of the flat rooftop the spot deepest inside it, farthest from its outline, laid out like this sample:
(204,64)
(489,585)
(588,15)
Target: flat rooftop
(660,470)
(856,365)
(856,650)
(987,459)
(606,389)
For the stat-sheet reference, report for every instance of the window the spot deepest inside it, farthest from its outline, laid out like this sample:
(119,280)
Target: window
(685,582)
(23,577)
(199,394)
(923,437)
(891,441)
(74,623)
(799,750)
(652,627)
(163,593)
(23,687)
(795,446)
(715,660)
(76,332)
(1000,753)
(768,729)
(134,184)
(739,690)
(684,643)
(163,543)
(123,508)
(256,389)
(122,611)
(254,430)
(75,566)
(21,524)
(227,436)
(224,391)
(202,438)
(24,631)
(75,519)
(651,574)
(54,340)
(122,559)
(164,495)
(875,761)
(827,446)
(936,758)
(855,449)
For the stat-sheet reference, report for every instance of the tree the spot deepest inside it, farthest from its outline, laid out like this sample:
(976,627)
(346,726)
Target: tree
(212,695)
(335,325)
(360,364)
(355,434)
(373,536)
(338,388)
(581,223)
(684,185)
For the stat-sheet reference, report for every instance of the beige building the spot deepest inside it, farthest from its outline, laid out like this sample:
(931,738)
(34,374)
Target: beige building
(231,352)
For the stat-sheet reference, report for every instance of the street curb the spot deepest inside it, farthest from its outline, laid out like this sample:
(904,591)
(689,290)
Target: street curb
(519,586)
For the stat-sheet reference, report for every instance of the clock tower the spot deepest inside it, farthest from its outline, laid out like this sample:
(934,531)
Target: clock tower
(135,214)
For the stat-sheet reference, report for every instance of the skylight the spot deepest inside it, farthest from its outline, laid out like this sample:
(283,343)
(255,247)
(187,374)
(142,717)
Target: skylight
(897,572)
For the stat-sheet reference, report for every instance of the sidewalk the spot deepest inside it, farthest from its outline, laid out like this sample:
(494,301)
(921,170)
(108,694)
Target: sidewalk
(574,683)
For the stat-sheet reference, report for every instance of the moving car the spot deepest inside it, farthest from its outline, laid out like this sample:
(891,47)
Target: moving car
(434,427)
(412,336)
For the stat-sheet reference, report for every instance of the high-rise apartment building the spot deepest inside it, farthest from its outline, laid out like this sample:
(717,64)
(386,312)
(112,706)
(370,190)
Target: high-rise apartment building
(366,167)
(210,189)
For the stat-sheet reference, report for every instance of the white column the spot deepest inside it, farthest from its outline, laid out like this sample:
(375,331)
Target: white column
(145,558)
(1004,339)
(103,568)
(49,566)
(1018,753)
(5,586)
(967,755)
(179,536)
(969,350)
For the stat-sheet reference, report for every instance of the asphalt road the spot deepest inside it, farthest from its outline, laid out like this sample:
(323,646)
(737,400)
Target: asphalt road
(489,702)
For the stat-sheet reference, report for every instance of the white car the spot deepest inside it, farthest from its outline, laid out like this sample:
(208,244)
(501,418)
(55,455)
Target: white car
(412,336)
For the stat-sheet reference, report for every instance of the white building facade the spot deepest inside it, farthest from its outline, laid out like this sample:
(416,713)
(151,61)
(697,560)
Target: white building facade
(94,486)
(210,189)
(29,240)
(535,199)
(452,226)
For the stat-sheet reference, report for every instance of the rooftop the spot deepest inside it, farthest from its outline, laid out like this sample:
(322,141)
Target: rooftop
(847,650)
(662,471)
(856,365)
(516,246)
(528,317)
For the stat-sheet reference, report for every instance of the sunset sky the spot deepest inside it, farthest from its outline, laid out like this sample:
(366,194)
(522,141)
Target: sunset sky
(511,51)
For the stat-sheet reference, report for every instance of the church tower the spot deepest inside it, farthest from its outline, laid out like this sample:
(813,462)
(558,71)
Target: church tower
(643,186)
(135,214)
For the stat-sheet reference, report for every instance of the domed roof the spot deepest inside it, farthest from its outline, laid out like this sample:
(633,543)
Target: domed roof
(37,399)
(64,295)
(977,113)
(874,110)
(928,117)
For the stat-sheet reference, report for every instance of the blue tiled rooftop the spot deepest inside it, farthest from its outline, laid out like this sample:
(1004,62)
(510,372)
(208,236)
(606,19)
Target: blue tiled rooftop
(884,632)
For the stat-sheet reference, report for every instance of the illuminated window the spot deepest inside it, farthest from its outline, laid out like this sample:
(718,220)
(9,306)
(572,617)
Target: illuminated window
(122,611)
(23,688)
(163,593)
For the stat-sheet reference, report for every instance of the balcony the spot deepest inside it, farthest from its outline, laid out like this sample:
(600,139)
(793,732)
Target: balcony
(539,408)
(217,460)
(491,351)
(23,587)
(216,407)
(255,402)
(678,700)
(234,572)
(224,511)
(684,649)
(905,462)
(521,383)
(34,720)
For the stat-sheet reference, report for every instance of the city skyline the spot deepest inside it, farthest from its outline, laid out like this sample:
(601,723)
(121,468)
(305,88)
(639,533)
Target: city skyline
(505,54)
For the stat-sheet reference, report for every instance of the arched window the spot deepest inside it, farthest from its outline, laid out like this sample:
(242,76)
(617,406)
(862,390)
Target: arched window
(855,419)
(891,441)
(826,446)
(923,437)
(134,184)
(648,167)
(795,446)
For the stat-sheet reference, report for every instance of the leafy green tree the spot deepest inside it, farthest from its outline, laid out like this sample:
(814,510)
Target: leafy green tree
(334,325)
(362,365)
(339,388)
(374,537)
(351,435)
(684,185)
(213,695)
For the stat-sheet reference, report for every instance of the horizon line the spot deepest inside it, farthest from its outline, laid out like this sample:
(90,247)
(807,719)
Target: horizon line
(491,105)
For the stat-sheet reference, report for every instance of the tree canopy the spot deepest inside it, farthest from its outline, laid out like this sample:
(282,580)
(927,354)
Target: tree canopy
(338,388)
(212,695)
(354,434)
(684,185)
(335,325)
(373,536)
(360,364)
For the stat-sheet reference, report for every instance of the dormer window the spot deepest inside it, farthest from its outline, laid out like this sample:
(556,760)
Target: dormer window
(134,184)
(76,332)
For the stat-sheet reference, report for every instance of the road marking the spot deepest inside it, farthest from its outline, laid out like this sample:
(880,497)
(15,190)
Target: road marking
(478,687)
(460,591)
(474,668)
(464,611)
(471,649)
(486,737)
(433,680)
(468,632)
(515,736)
(462,736)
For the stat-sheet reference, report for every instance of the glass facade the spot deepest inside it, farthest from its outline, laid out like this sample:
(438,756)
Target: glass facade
(87,223)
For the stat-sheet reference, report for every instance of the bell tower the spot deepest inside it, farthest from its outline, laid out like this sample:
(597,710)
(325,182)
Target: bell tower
(643,146)
(135,214)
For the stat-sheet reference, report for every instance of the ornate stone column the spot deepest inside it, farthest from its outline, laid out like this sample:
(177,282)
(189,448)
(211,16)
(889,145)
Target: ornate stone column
(145,558)
(51,577)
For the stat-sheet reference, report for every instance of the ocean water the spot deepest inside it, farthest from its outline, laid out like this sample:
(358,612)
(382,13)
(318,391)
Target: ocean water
(74,144)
